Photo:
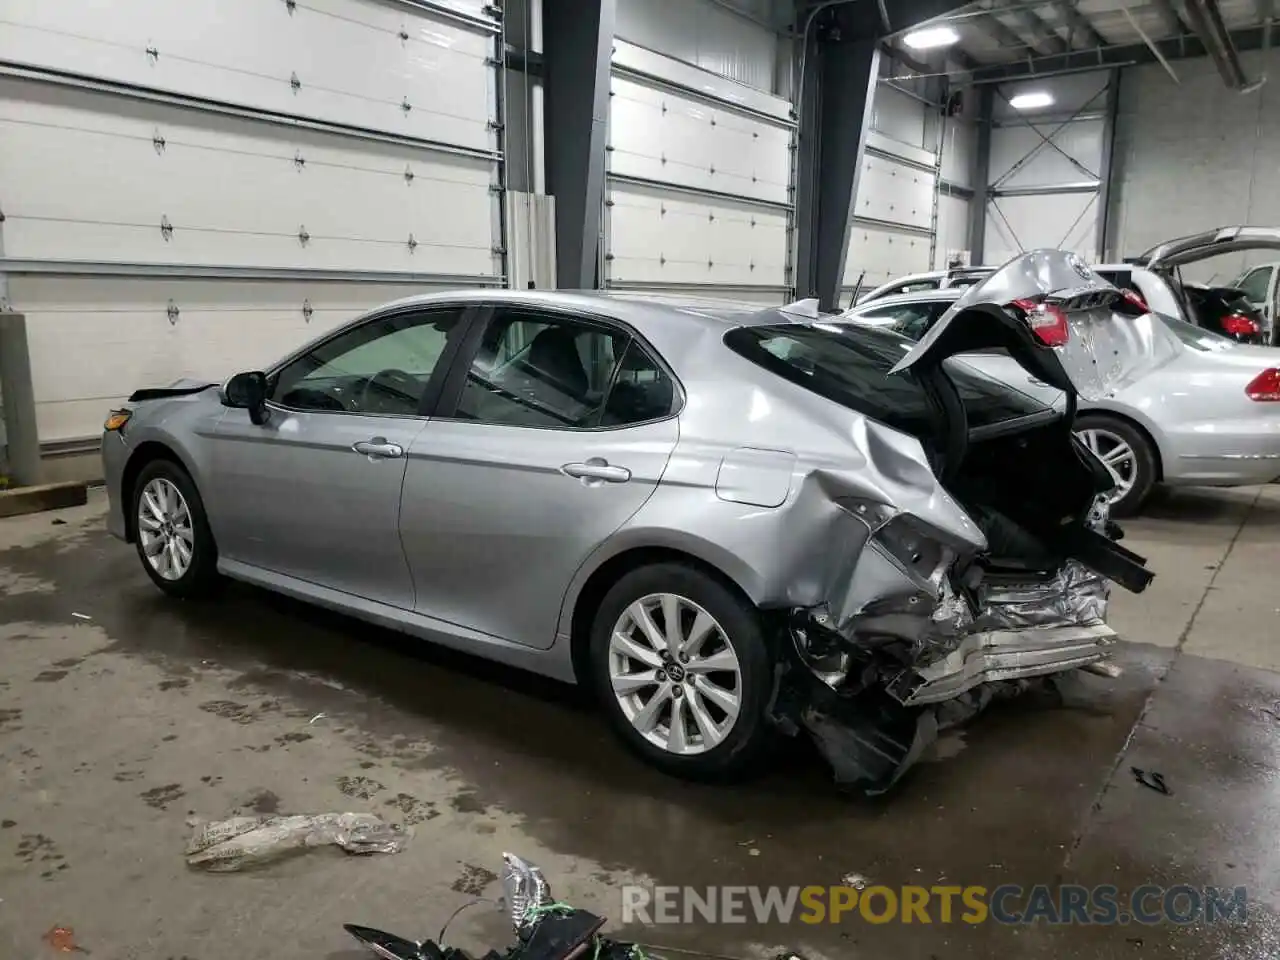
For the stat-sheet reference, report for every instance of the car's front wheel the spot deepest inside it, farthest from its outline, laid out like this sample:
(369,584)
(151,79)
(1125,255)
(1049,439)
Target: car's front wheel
(1127,454)
(172,532)
(683,668)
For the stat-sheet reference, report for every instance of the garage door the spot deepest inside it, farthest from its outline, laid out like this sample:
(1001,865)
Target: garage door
(698,191)
(195,188)
(895,216)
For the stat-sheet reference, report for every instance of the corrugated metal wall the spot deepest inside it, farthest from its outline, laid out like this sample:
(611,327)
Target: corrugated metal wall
(1194,155)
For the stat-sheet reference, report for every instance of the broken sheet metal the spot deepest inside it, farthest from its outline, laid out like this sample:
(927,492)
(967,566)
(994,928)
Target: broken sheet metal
(1074,596)
(241,843)
(526,889)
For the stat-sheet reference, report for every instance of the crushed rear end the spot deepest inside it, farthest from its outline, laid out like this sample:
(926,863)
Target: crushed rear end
(998,578)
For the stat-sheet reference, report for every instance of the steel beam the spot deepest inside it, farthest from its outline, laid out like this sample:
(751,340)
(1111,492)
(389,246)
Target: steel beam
(980,176)
(840,85)
(1206,21)
(1176,48)
(1052,190)
(1107,164)
(1078,25)
(1041,33)
(578,42)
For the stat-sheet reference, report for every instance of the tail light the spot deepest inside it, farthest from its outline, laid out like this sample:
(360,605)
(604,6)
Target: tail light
(1265,386)
(1239,326)
(1048,321)
(1136,300)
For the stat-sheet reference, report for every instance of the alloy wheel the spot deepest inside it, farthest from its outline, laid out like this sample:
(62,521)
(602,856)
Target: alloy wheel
(1116,455)
(675,674)
(165,529)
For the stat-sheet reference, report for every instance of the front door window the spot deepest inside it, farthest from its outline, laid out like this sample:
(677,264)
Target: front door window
(381,367)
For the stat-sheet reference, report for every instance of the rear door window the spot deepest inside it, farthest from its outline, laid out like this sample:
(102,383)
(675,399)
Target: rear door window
(850,365)
(1255,284)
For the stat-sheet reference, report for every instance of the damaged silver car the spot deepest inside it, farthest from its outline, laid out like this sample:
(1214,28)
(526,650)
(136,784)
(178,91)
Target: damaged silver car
(729,522)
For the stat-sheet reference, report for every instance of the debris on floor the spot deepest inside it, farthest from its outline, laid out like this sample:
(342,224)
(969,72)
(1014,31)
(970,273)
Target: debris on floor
(1152,781)
(82,616)
(546,929)
(241,843)
(855,880)
(63,939)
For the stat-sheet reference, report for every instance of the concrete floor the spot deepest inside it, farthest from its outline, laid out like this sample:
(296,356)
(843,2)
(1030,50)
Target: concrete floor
(123,715)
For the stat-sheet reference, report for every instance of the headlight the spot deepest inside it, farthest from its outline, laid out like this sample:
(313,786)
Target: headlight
(116,420)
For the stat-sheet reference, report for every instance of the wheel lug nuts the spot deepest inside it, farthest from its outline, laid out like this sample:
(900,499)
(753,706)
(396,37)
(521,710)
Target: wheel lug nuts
(684,658)
(677,691)
(662,676)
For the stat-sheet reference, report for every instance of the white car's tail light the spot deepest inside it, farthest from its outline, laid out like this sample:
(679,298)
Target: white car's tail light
(1265,387)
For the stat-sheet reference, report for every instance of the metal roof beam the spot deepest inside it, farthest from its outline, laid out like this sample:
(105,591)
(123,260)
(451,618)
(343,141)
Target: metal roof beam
(1173,48)
(1042,35)
(1078,25)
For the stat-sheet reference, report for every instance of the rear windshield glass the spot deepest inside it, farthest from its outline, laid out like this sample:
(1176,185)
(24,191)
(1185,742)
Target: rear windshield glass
(850,365)
(1197,338)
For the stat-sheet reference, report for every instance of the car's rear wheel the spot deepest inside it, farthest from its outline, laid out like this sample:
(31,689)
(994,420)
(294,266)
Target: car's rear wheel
(1127,454)
(684,670)
(172,532)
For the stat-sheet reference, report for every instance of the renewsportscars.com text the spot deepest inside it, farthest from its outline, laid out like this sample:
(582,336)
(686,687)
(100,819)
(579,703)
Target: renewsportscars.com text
(1007,904)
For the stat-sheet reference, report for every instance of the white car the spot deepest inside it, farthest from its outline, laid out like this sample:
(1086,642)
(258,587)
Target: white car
(955,278)
(1203,411)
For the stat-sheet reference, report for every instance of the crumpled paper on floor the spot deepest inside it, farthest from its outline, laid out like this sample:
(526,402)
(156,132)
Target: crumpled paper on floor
(240,843)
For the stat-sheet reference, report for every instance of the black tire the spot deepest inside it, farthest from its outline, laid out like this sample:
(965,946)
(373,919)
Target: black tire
(751,733)
(1144,455)
(201,578)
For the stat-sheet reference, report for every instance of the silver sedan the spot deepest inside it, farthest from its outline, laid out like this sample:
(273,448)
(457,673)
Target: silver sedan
(730,523)
(1200,410)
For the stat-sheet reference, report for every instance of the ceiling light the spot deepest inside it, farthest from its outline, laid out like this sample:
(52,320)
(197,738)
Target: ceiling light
(930,38)
(1035,100)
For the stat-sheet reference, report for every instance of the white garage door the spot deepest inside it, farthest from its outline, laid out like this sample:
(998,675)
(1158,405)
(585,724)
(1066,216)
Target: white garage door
(698,191)
(195,188)
(895,217)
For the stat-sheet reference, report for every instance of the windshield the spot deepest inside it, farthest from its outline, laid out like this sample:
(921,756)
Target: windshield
(1197,338)
(850,365)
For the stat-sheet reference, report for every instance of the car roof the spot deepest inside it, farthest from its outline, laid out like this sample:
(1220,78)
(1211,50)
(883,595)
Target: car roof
(672,323)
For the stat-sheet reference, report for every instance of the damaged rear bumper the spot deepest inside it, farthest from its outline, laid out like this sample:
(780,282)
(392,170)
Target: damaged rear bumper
(1002,655)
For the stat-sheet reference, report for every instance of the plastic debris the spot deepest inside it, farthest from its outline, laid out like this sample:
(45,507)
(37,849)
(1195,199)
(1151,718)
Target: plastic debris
(63,939)
(241,843)
(82,616)
(318,716)
(1152,781)
(855,880)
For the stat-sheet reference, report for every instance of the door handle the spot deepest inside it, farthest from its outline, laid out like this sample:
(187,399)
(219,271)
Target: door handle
(378,448)
(597,468)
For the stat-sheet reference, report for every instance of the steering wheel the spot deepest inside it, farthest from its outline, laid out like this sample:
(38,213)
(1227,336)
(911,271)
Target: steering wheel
(386,382)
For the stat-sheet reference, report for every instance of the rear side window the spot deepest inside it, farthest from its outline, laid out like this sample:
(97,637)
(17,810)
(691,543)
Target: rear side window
(1255,284)
(850,366)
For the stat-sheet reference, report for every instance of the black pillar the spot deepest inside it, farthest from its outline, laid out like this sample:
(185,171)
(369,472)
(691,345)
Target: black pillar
(839,86)
(577,47)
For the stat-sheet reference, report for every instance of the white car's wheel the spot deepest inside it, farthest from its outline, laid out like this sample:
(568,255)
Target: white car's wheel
(1128,456)
(683,669)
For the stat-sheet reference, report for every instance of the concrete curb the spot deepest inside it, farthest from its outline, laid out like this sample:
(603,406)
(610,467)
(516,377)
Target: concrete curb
(45,496)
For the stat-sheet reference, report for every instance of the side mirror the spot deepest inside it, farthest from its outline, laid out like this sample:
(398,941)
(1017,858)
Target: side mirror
(247,391)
